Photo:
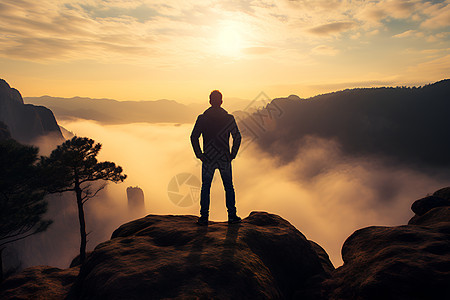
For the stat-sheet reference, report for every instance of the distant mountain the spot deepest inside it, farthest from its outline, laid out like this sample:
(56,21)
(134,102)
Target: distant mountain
(25,122)
(109,111)
(402,124)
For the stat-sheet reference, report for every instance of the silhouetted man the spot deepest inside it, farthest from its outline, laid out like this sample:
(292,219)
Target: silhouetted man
(216,125)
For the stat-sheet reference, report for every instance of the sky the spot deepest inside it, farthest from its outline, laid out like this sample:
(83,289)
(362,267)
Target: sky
(181,50)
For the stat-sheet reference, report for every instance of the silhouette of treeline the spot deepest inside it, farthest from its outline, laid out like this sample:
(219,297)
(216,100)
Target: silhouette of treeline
(110,111)
(406,125)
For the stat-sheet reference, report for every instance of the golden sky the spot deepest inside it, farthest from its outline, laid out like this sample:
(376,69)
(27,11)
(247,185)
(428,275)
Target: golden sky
(181,50)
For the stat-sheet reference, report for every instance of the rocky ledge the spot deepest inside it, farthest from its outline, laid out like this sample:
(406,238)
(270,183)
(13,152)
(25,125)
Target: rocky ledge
(156,257)
(264,257)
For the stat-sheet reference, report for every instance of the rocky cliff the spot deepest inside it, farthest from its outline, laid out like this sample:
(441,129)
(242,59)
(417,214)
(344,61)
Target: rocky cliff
(25,122)
(264,257)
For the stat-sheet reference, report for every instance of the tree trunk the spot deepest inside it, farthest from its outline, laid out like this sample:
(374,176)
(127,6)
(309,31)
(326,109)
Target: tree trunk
(82,222)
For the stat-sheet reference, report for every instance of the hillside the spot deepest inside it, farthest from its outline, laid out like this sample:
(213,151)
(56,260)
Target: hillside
(401,125)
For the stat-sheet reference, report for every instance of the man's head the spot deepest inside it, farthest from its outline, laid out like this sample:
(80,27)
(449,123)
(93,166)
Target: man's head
(215,98)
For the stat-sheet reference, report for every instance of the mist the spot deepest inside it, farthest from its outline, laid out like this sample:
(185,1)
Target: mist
(321,191)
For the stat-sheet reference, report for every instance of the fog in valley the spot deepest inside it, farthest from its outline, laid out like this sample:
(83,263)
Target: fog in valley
(324,194)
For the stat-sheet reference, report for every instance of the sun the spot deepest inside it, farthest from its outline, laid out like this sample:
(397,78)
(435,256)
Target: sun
(230,41)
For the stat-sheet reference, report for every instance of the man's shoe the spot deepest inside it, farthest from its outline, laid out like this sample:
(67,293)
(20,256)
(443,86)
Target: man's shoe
(202,221)
(234,220)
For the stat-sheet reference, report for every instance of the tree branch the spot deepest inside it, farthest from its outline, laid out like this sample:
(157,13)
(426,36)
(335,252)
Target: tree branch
(18,239)
(87,197)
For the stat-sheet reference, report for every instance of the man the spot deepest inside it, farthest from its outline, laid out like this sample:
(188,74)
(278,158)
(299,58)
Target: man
(216,125)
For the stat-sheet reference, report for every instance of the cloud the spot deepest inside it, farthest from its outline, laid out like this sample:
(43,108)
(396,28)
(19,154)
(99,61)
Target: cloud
(141,13)
(331,28)
(91,30)
(325,50)
(439,17)
(377,11)
(407,33)
(184,33)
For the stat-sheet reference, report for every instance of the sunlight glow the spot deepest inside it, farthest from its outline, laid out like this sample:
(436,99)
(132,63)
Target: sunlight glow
(230,41)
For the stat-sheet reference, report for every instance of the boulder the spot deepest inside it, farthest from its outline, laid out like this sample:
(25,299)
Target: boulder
(421,206)
(264,257)
(443,193)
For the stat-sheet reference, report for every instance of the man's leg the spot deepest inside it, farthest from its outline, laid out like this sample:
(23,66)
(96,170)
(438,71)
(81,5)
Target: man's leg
(227,179)
(207,176)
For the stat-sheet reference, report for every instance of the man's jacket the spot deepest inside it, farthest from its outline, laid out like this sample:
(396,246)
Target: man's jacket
(215,125)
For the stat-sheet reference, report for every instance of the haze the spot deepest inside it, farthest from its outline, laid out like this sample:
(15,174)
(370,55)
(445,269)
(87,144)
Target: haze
(149,50)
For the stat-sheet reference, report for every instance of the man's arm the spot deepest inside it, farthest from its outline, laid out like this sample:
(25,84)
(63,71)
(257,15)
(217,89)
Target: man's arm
(236,138)
(195,135)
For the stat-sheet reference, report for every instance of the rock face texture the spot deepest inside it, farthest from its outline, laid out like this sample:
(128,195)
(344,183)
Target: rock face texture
(158,257)
(403,262)
(41,282)
(264,257)
(25,122)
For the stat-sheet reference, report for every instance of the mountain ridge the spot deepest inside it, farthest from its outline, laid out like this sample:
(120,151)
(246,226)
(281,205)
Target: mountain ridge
(404,125)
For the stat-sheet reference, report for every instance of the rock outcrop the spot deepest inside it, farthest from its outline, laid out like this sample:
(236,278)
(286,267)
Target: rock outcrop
(136,202)
(264,257)
(157,257)
(25,122)
(404,262)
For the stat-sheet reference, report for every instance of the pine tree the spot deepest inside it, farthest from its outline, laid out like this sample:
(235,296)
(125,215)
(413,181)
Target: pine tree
(73,167)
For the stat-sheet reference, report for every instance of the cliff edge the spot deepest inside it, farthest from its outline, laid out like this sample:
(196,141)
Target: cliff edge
(156,257)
